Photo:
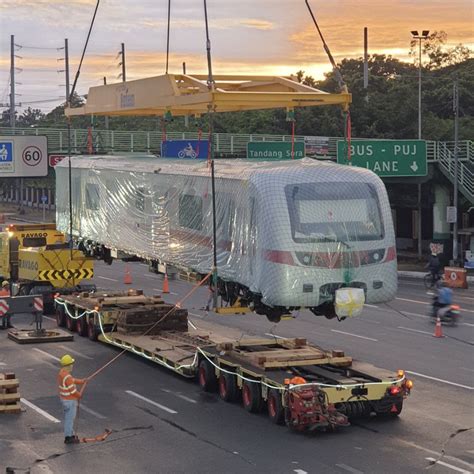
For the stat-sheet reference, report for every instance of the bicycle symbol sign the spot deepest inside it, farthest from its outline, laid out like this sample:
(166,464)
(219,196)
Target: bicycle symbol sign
(32,155)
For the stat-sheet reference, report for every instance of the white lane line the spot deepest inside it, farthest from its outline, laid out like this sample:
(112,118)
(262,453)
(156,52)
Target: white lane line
(417,315)
(425,303)
(273,335)
(300,471)
(196,315)
(39,410)
(46,354)
(449,466)
(349,468)
(3,363)
(49,317)
(72,351)
(412,301)
(183,397)
(439,380)
(161,291)
(354,335)
(415,330)
(92,412)
(151,402)
(370,306)
(192,325)
(107,278)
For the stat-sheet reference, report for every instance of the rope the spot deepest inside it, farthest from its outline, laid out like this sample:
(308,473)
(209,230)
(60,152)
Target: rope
(168,37)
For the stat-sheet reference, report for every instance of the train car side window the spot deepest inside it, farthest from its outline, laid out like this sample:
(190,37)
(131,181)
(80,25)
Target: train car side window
(190,212)
(92,197)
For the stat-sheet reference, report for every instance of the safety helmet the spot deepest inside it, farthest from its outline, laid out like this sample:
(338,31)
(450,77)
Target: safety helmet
(5,283)
(297,381)
(66,360)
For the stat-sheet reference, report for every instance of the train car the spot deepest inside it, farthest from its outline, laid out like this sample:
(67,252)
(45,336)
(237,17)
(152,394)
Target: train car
(289,233)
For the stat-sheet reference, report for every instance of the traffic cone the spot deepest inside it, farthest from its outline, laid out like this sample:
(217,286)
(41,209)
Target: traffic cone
(127,279)
(166,287)
(438,328)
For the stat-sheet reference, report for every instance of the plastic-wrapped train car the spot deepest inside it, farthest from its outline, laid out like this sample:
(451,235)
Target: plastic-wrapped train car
(289,233)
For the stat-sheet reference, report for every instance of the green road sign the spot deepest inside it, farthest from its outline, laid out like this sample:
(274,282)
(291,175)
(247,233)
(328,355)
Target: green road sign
(386,157)
(274,150)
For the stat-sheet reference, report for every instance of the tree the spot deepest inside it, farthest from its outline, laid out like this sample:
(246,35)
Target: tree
(30,117)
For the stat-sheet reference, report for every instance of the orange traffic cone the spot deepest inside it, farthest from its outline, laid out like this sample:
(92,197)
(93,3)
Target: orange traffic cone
(127,279)
(166,287)
(438,328)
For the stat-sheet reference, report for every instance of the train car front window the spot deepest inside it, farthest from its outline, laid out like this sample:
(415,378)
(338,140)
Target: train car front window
(334,212)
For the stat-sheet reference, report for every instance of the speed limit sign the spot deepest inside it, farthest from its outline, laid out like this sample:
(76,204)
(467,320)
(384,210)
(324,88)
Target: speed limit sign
(32,155)
(23,156)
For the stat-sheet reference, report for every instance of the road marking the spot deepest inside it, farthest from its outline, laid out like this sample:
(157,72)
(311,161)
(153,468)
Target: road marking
(300,471)
(435,453)
(415,330)
(107,278)
(429,317)
(3,363)
(151,402)
(39,410)
(370,306)
(161,291)
(49,317)
(412,301)
(196,315)
(192,325)
(354,335)
(72,351)
(439,380)
(349,468)
(92,412)
(450,466)
(184,397)
(273,335)
(46,354)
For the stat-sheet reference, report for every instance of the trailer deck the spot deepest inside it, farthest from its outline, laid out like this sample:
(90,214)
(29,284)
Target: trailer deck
(303,385)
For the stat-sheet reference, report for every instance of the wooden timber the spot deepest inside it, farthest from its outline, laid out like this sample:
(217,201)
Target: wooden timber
(9,395)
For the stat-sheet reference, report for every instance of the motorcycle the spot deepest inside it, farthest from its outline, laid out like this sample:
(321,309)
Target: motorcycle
(447,314)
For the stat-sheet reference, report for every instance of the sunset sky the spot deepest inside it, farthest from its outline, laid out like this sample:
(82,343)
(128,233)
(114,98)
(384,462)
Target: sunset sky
(248,36)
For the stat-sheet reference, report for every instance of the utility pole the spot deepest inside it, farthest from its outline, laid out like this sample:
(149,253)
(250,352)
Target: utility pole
(12,82)
(122,62)
(423,36)
(366,58)
(456,139)
(66,67)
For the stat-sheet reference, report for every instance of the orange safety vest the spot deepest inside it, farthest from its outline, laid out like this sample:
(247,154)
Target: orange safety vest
(4,292)
(67,386)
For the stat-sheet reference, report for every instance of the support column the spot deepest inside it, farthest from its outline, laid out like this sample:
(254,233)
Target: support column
(441,231)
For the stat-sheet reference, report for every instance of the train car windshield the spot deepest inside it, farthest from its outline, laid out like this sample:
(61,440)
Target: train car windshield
(334,212)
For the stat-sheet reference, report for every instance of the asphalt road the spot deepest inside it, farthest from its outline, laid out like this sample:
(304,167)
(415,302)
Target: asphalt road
(163,423)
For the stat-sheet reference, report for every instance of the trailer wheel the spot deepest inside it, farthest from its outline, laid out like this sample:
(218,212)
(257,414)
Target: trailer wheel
(251,397)
(207,379)
(71,323)
(60,316)
(275,407)
(82,326)
(93,330)
(228,387)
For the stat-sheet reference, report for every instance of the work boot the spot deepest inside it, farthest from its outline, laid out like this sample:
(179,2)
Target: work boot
(71,440)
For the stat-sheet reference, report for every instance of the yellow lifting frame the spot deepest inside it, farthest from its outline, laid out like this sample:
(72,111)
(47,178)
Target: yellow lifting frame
(190,95)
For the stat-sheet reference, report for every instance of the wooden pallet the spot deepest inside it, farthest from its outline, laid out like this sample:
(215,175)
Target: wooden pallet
(9,394)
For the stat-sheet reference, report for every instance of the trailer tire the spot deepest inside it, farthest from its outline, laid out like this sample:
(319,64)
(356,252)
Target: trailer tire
(93,330)
(207,379)
(82,326)
(251,397)
(60,316)
(228,390)
(276,411)
(71,324)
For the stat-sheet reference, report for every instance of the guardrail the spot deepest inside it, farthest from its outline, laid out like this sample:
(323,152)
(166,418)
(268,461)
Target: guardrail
(226,144)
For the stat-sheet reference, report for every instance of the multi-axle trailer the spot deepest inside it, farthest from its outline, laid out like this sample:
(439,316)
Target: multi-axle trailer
(301,385)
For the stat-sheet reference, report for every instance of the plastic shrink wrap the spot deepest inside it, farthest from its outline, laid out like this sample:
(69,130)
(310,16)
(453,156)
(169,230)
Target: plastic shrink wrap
(289,233)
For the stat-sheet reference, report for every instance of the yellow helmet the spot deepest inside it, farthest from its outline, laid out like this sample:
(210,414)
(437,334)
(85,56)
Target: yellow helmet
(66,360)
(5,283)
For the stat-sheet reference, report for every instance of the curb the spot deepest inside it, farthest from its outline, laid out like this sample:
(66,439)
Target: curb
(420,275)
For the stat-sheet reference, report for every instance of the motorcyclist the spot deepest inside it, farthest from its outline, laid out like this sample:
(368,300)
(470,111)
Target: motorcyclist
(442,300)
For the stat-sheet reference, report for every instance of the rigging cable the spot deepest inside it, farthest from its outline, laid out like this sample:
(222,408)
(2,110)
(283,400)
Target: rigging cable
(168,37)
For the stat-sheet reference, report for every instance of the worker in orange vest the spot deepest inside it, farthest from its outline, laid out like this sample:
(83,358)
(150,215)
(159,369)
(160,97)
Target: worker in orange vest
(5,291)
(69,396)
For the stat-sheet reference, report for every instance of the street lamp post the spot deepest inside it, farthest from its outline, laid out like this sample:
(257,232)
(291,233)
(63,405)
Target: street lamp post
(420,37)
